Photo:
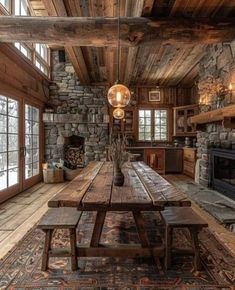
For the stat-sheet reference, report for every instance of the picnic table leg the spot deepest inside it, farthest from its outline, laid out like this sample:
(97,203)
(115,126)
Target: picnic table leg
(73,245)
(139,221)
(47,247)
(168,245)
(97,231)
(143,236)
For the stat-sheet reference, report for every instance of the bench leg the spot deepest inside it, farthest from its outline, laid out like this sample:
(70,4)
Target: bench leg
(47,247)
(168,245)
(73,244)
(97,231)
(195,242)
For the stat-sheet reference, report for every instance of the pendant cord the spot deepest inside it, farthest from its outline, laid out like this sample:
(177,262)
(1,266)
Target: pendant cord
(118,52)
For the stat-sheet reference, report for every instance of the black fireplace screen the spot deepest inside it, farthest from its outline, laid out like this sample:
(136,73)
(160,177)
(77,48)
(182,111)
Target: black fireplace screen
(224,169)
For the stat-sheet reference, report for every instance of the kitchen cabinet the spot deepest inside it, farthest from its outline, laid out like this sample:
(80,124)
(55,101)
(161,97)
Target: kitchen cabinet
(164,160)
(182,121)
(190,161)
(155,158)
(125,126)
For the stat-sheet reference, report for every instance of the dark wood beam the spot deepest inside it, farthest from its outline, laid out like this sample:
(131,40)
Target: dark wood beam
(76,57)
(135,31)
(74,53)
(147,8)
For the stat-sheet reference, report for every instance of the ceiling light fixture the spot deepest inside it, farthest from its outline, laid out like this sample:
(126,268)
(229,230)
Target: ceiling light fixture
(118,95)
(118,113)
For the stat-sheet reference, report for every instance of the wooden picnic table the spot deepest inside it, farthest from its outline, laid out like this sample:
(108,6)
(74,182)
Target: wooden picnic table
(143,190)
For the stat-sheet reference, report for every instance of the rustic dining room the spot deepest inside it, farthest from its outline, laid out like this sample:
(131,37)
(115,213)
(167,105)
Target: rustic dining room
(117,144)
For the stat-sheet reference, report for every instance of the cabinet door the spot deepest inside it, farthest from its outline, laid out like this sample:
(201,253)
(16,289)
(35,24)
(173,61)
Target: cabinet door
(155,158)
(174,160)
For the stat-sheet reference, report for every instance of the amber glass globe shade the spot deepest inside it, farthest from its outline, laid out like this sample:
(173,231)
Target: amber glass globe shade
(118,113)
(119,96)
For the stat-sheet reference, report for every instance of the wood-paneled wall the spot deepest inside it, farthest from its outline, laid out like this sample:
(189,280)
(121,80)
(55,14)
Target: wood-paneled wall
(19,79)
(170,96)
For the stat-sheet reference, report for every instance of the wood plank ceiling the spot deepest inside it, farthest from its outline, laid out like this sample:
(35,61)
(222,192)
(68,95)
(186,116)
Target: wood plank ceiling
(163,64)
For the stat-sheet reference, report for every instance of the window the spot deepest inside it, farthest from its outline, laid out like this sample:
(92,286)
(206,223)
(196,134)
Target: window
(145,123)
(21,7)
(31,141)
(24,49)
(153,125)
(42,57)
(37,53)
(6,4)
(9,148)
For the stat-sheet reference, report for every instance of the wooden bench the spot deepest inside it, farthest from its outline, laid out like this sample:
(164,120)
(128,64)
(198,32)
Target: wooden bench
(59,218)
(182,217)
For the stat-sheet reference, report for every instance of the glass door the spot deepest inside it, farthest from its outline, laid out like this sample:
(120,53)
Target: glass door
(9,145)
(32,147)
(19,146)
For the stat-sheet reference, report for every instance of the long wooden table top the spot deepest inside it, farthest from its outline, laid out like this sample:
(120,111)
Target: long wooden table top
(144,189)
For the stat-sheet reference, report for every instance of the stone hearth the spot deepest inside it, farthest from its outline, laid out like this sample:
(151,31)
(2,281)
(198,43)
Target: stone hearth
(88,108)
(216,65)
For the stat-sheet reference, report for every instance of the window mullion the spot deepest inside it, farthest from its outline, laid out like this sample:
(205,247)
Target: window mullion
(152,125)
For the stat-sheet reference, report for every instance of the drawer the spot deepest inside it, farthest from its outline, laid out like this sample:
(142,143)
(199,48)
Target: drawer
(189,154)
(189,166)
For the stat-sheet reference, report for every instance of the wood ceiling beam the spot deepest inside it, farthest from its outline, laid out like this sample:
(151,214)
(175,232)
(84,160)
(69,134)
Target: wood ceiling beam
(134,31)
(57,8)
(132,51)
(76,57)
(147,8)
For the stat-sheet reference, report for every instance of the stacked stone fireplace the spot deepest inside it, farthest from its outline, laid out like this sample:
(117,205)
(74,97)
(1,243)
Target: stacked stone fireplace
(78,110)
(216,67)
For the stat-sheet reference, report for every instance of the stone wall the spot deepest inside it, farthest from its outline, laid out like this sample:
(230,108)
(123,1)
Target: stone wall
(217,69)
(69,99)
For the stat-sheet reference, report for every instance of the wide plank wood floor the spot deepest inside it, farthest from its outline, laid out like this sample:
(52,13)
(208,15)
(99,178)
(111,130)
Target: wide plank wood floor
(20,213)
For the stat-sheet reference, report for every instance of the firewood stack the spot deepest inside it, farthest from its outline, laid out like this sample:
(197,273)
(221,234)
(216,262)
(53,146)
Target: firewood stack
(74,157)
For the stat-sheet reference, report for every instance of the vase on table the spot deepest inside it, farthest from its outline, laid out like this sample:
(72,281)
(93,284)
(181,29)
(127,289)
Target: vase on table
(118,177)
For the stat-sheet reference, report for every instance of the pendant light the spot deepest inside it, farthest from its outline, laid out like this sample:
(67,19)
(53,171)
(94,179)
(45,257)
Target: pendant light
(118,113)
(118,95)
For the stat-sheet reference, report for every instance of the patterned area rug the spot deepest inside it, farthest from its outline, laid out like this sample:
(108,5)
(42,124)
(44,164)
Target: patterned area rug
(20,269)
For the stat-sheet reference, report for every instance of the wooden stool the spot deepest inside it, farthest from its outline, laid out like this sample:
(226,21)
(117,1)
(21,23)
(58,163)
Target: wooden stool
(59,218)
(182,217)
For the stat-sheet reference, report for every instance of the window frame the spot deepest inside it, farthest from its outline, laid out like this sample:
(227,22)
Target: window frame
(152,133)
(4,9)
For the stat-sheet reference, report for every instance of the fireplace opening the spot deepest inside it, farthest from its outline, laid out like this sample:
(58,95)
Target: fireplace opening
(222,171)
(74,152)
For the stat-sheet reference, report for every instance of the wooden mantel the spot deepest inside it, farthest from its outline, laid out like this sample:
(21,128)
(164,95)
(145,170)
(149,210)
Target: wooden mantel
(226,115)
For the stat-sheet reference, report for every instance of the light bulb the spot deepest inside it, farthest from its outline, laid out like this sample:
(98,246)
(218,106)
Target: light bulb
(230,87)
(118,97)
(118,113)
